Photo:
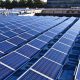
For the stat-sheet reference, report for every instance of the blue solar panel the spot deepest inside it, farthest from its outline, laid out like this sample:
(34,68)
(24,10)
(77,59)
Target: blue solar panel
(71,32)
(25,28)
(30,75)
(44,38)
(61,47)
(18,31)
(47,67)
(27,50)
(11,26)
(37,43)
(69,36)
(17,41)
(4,71)
(66,41)
(14,60)
(56,56)
(2,37)
(52,35)
(26,36)
(4,29)
(33,32)
(6,47)
(10,34)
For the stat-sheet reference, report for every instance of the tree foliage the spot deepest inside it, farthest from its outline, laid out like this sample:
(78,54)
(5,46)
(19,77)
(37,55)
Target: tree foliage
(21,3)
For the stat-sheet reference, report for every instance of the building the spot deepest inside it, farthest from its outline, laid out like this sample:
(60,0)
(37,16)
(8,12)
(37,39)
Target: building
(63,3)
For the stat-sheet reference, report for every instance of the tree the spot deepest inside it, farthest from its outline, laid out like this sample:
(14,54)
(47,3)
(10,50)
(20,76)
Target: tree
(22,3)
(14,4)
(1,3)
(29,3)
(38,3)
(7,4)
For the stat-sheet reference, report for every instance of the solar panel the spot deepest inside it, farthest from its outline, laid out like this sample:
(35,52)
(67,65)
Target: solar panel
(47,67)
(4,71)
(17,41)
(25,28)
(6,47)
(30,75)
(61,47)
(56,56)
(2,37)
(44,38)
(69,36)
(14,60)
(10,34)
(66,41)
(27,50)
(18,31)
(26,36)
(37,43)
(71,32)
(33,32)
(52,35)
(4,29)
(11,26)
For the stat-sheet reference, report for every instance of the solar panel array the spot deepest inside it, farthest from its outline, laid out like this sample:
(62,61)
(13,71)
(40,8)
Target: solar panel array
(36,48)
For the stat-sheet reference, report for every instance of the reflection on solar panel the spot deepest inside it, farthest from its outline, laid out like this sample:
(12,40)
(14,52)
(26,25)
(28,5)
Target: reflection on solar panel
(39,48)
(77,77)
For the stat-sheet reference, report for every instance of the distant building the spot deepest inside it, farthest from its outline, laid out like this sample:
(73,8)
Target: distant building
(63,3)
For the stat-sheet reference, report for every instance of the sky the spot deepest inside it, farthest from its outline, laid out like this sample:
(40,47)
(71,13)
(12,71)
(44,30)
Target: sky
(44,0)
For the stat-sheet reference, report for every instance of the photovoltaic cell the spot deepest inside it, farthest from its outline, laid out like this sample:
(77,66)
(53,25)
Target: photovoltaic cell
(6,47)
(4,29)
(26,36)
(10,34)
(56,56)
(25,28)
(4,71)
(71,32)
(12,27)
(61,47)
(69,36)
(27,50)
(47,67)
(52,35)
(14,60)
(33,32)
(36,43)
(2,38)
(19,31)
(17,41)
(66,41)
(44,38)
(30,75)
